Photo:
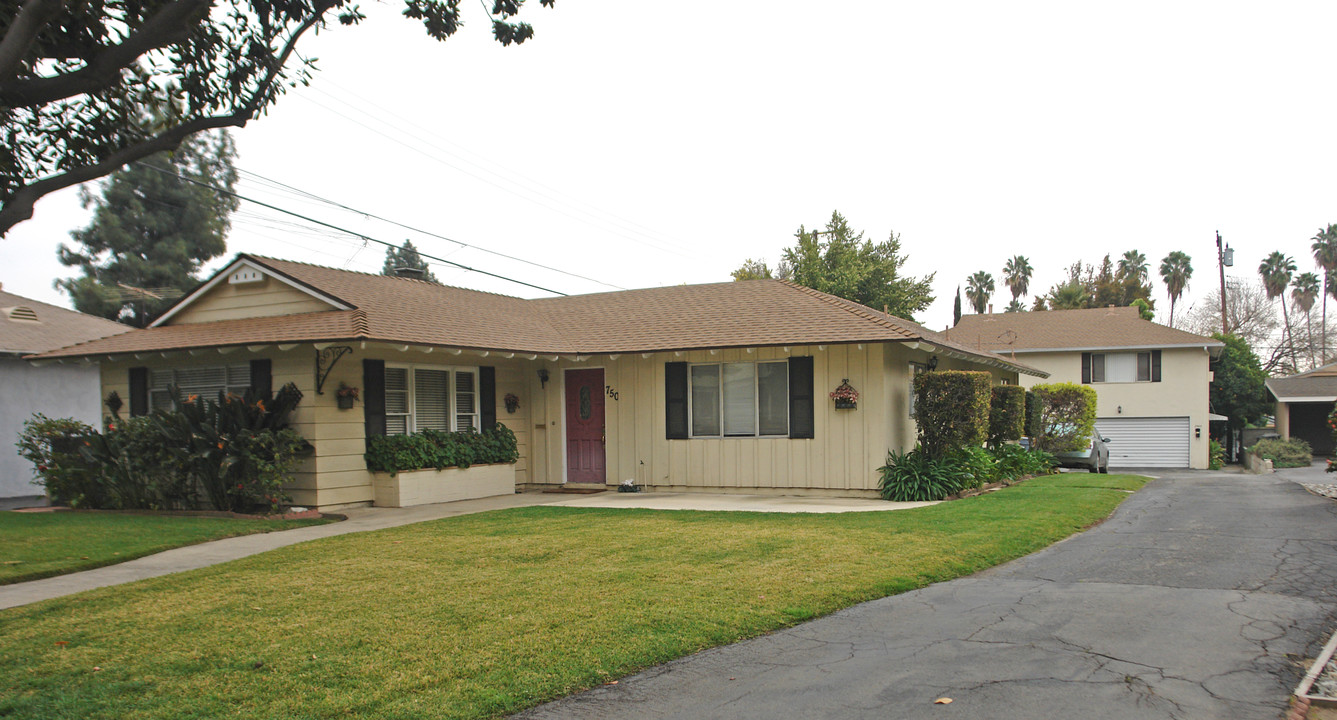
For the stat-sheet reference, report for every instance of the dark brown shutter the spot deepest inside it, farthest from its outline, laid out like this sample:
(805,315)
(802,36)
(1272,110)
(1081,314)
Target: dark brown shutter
(801,407)
(262,380)
(139,391)
(1155,365)
(675,400)
(1086,368)
(373,396)
(487,397)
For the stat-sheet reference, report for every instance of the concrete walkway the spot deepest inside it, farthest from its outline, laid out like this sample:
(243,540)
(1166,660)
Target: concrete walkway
(1196,599)
(364,519)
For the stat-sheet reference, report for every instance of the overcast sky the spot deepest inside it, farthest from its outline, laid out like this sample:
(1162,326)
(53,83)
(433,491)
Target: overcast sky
(640,144)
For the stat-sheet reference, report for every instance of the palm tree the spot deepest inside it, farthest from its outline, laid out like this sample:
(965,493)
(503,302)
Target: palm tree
(1176,269)
(978,289)
(1015,306)
(1017,276)
(1277,270)
(1325,255)
(1133,266)
(1304,291)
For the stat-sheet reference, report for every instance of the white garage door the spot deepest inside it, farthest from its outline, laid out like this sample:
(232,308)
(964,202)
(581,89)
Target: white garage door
(1146,442)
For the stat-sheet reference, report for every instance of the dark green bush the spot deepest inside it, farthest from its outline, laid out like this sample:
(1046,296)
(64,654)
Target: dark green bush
(1067,416)
(1007,413)
(1015,461)
(951,410)
(235,449)
(1033,426)
(1216,455)
(435,449)
(977,463)
(1284,453)
(917,477)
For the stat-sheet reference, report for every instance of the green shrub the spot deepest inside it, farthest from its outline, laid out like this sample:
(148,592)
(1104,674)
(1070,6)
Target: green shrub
(1284,453)
(1015,461)
(1067,416)
(917,477)
(435,449)
(135,467)
(951,410)
(978,463)
(1007,413)
(1216,455)
(1033,426)
(52,446)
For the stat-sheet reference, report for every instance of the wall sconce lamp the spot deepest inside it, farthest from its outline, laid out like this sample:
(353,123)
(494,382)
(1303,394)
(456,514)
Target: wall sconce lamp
(1120,409)
(933,363)
(543,377)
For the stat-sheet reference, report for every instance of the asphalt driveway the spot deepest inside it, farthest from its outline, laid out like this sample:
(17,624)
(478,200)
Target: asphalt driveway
(1195,600)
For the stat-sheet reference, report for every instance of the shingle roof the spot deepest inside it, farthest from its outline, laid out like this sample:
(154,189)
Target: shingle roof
(1094,329)
(1319,384)
(682,317)
(29,326)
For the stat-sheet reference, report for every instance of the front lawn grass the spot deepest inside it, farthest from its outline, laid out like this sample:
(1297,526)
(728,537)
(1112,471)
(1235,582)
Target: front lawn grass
(484,615)
(38,545)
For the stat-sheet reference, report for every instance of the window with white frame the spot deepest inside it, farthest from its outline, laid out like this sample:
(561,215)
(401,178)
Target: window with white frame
(748,399)
(915,370)
(205,382)
(1120,367)
(420,397)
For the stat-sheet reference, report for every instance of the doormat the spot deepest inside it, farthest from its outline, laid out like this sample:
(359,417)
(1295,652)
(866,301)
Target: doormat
(574,491)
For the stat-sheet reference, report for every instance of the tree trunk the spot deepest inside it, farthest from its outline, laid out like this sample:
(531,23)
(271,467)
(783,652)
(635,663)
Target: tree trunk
(1290,339)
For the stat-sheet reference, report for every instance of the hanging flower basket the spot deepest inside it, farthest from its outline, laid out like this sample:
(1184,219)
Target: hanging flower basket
(846,397)
(512,403)
(346,396)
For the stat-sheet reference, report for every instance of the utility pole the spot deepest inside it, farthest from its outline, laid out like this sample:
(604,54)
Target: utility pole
(1225,257)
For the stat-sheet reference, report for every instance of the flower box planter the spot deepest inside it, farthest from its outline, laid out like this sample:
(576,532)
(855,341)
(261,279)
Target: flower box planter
(846,405)
(424,487)
(345,403)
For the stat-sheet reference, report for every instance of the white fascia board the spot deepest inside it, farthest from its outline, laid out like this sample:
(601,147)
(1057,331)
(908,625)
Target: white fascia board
(223,274)
(1308,398)
(1100,348)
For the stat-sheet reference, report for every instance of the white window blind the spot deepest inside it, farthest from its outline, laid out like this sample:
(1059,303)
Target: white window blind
(740,399)
(705,399)
(396,400)
(466,400)
(203,382)
(431,400)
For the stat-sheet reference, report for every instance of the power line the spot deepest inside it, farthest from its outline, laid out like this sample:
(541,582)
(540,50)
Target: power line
(345,230)
(428,233)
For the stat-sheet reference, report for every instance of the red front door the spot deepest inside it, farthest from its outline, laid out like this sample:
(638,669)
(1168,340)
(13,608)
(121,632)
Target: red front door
(585,426)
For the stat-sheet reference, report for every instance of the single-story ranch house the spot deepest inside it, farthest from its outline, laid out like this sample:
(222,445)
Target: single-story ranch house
(1304,401)
(1153,382)
(721,387)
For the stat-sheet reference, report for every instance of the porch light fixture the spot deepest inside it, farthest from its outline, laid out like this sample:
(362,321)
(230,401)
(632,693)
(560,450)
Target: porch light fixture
(543,377)
(933,363)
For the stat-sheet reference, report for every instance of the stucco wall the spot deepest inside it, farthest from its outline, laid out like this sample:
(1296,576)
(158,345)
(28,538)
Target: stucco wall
(55,391)
(1182,392)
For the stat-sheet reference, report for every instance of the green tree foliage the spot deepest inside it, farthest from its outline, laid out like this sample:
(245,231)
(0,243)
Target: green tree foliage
(151,232)
(848,266)
(1067,416)
(1276,270)
(956,308)
(753,270)
(87,87)
(952,410)
(1304,291)
(1143,309)
(1237,390)
(406,256)
(1017,272)
(1089,287)
(979,288)
(1015,306)
(1176,269)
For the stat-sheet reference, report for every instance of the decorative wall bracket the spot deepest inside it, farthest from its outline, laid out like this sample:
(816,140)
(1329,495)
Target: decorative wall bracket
(326,359)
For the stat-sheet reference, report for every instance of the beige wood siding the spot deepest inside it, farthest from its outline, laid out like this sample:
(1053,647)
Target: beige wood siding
(267,298)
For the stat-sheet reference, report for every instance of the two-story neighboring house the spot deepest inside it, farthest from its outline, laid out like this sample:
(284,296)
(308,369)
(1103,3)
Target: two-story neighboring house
(1152,380)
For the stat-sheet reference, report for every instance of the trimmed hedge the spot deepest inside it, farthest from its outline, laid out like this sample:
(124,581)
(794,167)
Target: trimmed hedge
(1067,416)
(952,410)
(1007,413)
(440,450)
(1291,453)
(1033,426)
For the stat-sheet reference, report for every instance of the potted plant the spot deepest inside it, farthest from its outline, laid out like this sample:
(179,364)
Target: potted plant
(346,396)
(846,397)
(512,403)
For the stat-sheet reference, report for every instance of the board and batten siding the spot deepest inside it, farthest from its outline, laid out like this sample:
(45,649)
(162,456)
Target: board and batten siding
(842,458)
(267,298)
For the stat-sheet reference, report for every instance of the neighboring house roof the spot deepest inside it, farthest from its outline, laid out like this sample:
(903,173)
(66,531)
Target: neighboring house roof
(28,326)
(1115,328)
(402,310)
(1317,385)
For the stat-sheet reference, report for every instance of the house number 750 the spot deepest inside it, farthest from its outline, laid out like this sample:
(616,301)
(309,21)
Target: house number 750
(610,392)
